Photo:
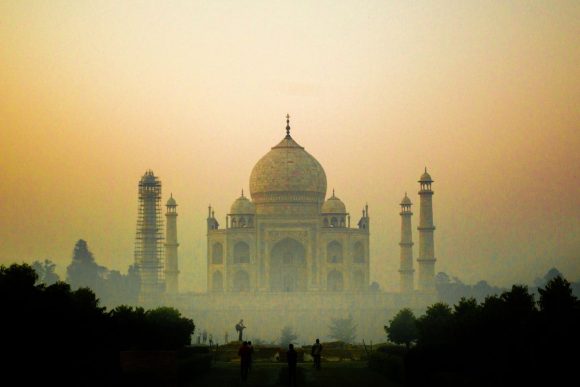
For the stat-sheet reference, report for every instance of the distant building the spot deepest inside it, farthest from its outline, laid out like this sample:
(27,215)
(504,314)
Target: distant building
(149,253)
(288,238)
(171,245)
(426,229)
(286,254)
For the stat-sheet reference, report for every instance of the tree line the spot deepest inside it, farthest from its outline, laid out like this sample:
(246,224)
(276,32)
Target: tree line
(111,286)
(507,339)
(56,334)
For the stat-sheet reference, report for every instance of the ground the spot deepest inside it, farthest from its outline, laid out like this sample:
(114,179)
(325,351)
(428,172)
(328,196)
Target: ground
(336,374)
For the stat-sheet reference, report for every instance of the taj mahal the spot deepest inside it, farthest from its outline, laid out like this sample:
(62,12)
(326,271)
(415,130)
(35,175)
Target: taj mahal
(285,253)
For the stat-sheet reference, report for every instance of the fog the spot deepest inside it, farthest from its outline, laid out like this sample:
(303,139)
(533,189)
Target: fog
(484,95)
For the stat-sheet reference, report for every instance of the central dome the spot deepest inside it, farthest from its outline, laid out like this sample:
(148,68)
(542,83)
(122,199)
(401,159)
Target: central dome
(288,174)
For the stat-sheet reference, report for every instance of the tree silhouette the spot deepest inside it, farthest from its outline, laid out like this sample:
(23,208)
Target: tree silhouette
(550,274)
(343,329)
(45,271)
(160,328)
(557,298)
(50,326)
(402,329)
(83,270)
(287,336)
(435,325)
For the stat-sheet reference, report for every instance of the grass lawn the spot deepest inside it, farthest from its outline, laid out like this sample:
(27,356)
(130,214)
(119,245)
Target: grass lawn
(336,374)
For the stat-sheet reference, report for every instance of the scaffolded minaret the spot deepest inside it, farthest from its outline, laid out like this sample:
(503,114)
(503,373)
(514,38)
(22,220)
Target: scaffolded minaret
(426,228)
(406,270)
(171,267)
(149,240)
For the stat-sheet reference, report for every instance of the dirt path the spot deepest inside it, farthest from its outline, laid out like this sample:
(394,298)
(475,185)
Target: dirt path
(343,374)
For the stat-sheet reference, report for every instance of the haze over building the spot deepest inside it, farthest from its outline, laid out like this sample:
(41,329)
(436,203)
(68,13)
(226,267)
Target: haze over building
(286,252)
(288,238)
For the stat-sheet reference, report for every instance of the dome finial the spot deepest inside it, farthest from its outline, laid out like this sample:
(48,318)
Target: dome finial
(242,192)
(333,192)
(287,125)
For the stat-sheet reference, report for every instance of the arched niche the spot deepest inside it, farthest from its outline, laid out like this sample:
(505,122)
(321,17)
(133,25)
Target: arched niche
(334,252)
(217,254)
(334,281)
(288,266)
(241,252)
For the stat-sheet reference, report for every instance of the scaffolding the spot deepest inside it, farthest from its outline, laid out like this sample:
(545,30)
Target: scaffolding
(149,239)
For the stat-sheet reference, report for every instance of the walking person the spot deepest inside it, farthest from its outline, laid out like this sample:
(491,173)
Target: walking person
(292,357)
(244,353)
(316,354)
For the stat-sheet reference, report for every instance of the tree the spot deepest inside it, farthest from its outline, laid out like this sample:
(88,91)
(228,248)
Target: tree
(343,329)
(168,329)
(519,304)
(287,336)
(402,329)
(550,274)
(467,322)
(442,279)
(45,271)
(435,325)
(84,271)
(16,277)
(482,289)
(557,298)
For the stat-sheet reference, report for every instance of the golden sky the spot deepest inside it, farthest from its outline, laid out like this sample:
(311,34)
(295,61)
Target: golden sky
(486,94)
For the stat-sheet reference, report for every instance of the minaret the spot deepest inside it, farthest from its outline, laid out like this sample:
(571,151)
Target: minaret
(426,228)
(149,240)
(171,266)
(212,223)
(407,284)
(364,222)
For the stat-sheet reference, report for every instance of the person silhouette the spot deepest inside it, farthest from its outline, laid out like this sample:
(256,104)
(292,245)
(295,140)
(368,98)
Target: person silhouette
(240,328)
(292,358)
(316,353)
(245,355)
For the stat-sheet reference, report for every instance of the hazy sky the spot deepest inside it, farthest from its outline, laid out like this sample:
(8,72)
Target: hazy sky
(485,94)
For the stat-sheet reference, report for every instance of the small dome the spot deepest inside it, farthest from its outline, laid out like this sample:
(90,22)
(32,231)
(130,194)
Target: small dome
(425,177)
(333,206)
(171,201)
(242,206)
(406,201)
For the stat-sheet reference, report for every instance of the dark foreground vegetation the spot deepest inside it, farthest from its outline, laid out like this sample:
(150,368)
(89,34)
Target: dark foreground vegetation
(508,339)
(56,336)
(53,335)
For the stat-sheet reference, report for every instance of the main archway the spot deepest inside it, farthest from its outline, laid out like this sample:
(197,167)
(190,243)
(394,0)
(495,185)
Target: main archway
(288,266)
